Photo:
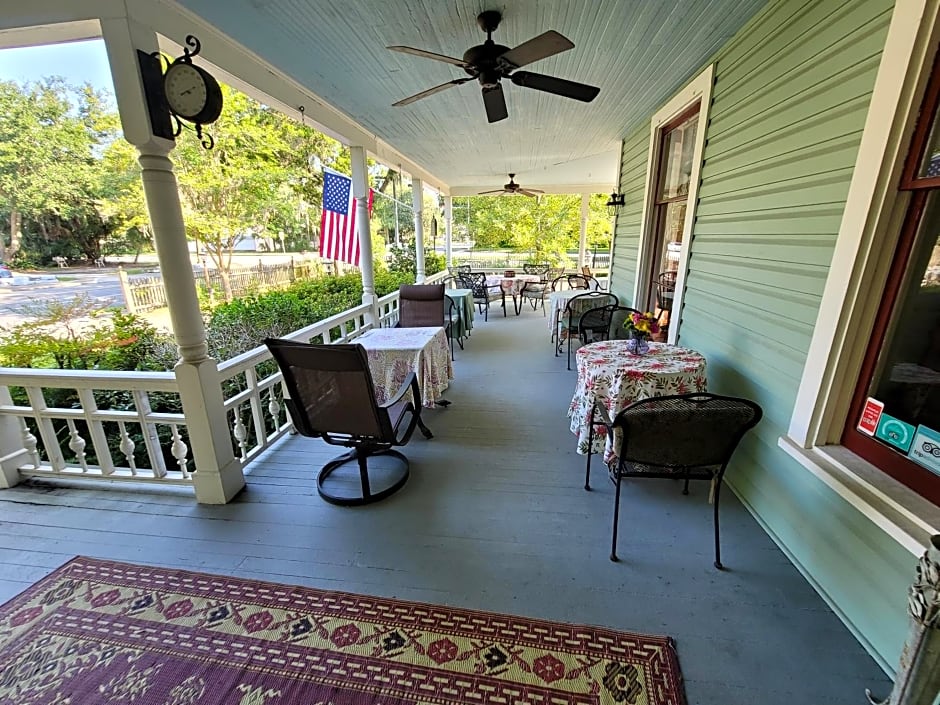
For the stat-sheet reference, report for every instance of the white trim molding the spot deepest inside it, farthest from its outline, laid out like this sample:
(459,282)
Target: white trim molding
(868,234)
(698,90)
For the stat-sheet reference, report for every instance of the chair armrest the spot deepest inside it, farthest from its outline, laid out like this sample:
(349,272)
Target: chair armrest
(411,381)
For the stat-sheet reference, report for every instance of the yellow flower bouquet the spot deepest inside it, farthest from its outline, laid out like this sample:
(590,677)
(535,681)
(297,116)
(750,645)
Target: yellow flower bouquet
(641,326)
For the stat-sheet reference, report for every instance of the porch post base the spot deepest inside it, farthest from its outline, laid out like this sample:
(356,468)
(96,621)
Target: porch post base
(219,487)
(218,476)
(9,475)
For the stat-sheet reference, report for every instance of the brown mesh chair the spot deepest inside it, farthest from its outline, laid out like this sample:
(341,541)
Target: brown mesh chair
(426,306)
(331,396)
(684,436)
(420,305)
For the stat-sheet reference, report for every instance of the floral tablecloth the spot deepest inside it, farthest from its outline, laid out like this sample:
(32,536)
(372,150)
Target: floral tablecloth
(557,301)
(609,374)
(511,285)
(394,352)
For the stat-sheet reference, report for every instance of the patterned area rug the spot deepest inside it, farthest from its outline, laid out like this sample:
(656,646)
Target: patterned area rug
(101,632)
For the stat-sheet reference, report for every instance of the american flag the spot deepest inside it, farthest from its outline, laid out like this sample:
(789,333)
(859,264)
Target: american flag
(338,239)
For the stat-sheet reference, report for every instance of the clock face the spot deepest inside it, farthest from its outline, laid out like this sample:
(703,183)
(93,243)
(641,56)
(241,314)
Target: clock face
(185,89)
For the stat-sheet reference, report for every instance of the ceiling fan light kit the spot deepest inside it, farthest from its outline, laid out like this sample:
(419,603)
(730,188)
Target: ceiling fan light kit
(490,62)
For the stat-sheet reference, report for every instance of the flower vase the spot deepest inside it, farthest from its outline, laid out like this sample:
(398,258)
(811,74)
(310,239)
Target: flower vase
(638,344)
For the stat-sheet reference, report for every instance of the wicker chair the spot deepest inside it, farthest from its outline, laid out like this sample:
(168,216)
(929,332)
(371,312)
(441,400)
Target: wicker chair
(482,294)
(330,395)
(425,305)
(573,311)
(685,437)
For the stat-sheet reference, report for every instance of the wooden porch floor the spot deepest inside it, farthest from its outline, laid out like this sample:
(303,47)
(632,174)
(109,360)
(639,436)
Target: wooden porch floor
(494,518)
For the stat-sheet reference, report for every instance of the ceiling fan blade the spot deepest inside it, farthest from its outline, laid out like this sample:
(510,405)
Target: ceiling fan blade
(532,190)
(431,55)
(487,193)
(558,86)
(431,91)
(495,103)
(541,47)
(529,192)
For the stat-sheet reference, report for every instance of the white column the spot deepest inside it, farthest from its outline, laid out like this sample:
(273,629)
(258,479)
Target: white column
(218,477)
(417,197)
(449,229)
(360,185)
(13,451)
(582,241)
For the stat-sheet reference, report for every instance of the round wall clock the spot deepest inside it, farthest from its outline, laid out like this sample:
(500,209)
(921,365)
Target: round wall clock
(192,93)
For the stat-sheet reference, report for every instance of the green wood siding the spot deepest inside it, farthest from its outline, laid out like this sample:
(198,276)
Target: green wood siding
(791,95)
(634,155)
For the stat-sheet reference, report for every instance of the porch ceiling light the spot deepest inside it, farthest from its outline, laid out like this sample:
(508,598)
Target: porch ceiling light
(615,203)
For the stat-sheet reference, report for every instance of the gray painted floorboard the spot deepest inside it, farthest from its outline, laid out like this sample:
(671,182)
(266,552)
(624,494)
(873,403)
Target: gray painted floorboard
(494,518)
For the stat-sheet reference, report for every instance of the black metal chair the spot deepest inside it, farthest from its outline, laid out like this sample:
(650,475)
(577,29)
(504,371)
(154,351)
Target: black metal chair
(665,293)
(684,437)
(330,395)
(573,311)
(598,323)
(535,292)
(578,281)
(482,294)
(424,306)
(617,319)
(459,269)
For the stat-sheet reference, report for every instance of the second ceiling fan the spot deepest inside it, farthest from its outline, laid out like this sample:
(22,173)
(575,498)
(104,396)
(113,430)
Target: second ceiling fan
(489,62)
(513,188)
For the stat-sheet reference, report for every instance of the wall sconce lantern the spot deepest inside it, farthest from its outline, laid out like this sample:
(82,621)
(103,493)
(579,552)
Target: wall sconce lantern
(614,203)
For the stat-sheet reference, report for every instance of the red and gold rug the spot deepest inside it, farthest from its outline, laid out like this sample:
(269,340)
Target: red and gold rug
(100,632)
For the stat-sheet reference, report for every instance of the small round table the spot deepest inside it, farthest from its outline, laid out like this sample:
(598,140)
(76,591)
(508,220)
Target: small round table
(609,374)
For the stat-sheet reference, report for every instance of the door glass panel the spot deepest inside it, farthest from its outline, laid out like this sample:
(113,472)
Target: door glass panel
(907,375)
(673,215)
(930,161)
(676,160)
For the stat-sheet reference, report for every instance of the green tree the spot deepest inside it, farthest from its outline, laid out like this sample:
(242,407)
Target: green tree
(50,135)
(254,181)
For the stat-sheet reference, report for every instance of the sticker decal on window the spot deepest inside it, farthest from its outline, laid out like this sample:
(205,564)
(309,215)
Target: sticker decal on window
(895,432)
(868,424)
(925,449)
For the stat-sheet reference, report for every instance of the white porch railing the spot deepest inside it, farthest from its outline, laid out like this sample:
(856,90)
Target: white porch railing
(108,423)
(251,382)
(111,411)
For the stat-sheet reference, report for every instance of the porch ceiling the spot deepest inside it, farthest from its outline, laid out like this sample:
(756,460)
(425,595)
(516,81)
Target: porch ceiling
(638,53)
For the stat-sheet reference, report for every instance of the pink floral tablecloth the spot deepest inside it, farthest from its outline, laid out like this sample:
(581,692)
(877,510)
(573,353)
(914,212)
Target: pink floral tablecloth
(608,373)
(394,352)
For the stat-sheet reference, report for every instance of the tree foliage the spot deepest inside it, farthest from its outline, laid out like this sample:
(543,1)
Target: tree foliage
(51,139)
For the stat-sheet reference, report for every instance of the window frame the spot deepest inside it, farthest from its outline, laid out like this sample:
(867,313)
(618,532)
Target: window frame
(872,220)
(697,92)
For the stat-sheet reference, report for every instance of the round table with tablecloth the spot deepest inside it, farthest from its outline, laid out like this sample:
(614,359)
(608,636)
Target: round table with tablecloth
(608,373)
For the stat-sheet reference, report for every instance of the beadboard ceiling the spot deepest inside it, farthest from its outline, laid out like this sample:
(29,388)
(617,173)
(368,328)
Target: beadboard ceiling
(639,52)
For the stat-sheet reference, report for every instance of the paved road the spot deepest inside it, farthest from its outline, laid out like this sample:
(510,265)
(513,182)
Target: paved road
(101,286)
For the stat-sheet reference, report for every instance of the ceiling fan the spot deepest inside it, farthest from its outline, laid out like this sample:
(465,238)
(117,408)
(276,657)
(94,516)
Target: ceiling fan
(489,62)
(513,188)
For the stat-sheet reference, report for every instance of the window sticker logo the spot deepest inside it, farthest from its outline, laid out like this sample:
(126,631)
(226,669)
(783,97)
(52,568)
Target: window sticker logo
(925,449)
(897,433)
